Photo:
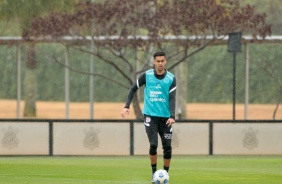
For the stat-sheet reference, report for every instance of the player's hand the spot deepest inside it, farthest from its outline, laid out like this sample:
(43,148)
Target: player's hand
(170,121)
(124,112)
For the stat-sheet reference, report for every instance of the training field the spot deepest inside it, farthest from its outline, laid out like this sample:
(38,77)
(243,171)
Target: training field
(136,170)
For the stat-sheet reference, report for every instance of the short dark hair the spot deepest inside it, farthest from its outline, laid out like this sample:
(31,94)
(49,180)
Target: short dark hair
(159,53)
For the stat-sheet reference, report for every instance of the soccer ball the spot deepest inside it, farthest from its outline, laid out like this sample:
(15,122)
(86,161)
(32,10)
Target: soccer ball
(161,177)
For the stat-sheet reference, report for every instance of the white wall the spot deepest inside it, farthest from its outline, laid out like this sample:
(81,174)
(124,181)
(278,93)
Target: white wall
(247,138)
(24,138)
(113,138)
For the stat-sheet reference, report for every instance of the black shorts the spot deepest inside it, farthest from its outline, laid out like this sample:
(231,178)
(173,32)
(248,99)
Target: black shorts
(157,126)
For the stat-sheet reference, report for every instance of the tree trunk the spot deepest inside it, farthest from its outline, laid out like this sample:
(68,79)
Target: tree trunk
(277,104)
(181,73)
(137,109)
(30,82)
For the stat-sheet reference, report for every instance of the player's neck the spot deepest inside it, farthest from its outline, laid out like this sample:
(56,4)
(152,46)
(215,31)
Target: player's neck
(160,72)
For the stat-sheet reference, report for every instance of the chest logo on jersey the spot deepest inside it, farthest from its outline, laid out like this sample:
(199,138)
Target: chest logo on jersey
(158,85)
(156,96)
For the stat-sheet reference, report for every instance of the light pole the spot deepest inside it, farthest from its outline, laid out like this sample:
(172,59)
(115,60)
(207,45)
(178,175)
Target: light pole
(234,46)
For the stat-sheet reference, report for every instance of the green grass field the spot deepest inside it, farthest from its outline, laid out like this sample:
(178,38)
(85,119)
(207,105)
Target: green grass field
(136,170)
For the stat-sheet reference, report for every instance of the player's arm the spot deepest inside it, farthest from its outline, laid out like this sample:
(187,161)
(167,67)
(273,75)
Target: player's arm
(140,82)
(172,102)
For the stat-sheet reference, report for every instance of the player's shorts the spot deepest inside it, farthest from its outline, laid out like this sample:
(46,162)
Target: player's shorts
(157,126)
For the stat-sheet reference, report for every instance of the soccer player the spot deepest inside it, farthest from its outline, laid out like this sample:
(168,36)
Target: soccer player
(159,107)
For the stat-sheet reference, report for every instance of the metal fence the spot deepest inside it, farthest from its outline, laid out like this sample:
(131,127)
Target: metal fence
(209,76)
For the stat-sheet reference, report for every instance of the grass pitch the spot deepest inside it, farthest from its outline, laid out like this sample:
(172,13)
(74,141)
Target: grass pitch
(136,170)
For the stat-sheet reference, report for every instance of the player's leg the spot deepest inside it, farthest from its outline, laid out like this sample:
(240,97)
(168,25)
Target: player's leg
(166,164)
(166,137)
(153,159)
(152,133)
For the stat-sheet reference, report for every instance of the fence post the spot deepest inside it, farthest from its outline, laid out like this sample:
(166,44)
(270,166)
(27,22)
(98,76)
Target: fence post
(19,81)
(50,138)
(131,138)
(210,138)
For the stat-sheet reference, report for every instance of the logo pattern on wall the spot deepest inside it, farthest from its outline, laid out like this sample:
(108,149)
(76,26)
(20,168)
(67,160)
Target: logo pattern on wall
(91,139)
(10,139)
(175,139)
(250,140)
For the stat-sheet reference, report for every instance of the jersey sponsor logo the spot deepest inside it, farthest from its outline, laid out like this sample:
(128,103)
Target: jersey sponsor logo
(157,100)
(154,96)
(156,93)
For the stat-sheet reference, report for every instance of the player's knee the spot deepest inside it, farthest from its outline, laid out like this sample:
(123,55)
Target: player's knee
(167,152)
(153,149)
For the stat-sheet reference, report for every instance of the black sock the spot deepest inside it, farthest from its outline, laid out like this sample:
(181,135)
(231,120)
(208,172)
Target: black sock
(166,168)
(154,168)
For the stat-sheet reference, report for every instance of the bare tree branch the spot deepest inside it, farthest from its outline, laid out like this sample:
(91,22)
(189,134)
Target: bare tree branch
(88,73)
(110,62)
(191,54)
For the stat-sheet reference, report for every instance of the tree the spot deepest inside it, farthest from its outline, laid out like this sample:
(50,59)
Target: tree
(272,8)
(24,12)
(153,25)
(273,71)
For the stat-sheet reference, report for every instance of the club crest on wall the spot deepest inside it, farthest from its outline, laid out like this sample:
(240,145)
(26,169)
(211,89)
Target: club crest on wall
(91,139)
(175,139)
(250,140)
(10,139)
